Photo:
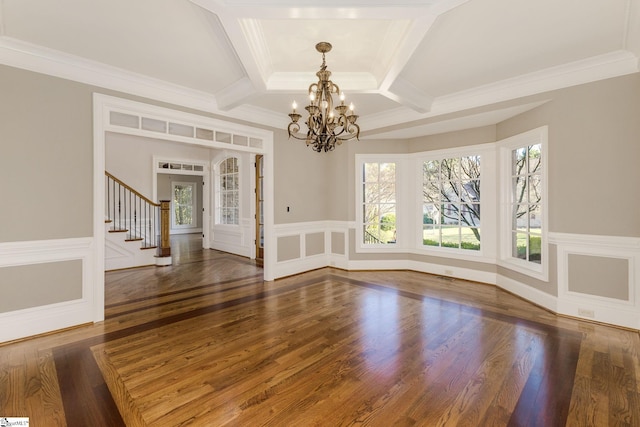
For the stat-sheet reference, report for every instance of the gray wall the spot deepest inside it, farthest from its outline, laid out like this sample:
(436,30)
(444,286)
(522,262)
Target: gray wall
(594,150)
(46,157)
(301,181)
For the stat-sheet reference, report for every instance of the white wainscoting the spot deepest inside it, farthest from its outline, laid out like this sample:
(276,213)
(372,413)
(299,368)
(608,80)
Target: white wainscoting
(38,320)
(621,312)
(625,313)
(234,239)
(303,262)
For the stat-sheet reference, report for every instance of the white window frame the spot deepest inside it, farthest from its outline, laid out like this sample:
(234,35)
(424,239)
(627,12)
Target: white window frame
(401,197)
(218,192)
(194,205)
(506,146)
(488,202)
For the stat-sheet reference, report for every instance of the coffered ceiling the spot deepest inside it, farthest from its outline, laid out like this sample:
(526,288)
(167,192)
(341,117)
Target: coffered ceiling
(411,67)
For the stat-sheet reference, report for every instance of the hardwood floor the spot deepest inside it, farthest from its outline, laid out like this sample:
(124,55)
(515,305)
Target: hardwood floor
(206,342)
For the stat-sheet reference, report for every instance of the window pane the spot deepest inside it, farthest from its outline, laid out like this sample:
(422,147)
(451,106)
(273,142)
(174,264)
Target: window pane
(431,191)
(429,214)
(519,245)
(372,234)
(431,170)
(371,193)
(451,237)
(535,188)
(470,191)
(519,186)
(470,167)
(450,191)
(518,162)
(520,218)
(370,172)
(470,214)
(431,236)
(535,250)
(535,158)
(535,218)
(470,238)
(450,214)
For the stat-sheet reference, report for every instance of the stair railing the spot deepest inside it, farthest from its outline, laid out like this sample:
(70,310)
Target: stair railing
(129,211)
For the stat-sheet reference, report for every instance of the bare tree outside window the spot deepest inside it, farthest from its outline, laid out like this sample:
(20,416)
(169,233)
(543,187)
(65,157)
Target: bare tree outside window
(526,209)
(379,203)
(451,203)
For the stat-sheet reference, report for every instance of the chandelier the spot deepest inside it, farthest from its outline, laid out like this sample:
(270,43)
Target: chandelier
(327,126)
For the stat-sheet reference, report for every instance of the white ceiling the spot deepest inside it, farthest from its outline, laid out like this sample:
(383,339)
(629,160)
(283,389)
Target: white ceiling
(406,66)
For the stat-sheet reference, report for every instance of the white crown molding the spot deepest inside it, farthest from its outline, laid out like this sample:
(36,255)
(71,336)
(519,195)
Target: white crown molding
(35,58)
(43,60)
(254,36)
(236,94)
(612,64)
(410,96)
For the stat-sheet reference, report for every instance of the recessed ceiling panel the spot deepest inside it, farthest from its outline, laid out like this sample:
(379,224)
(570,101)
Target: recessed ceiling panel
(485,41)
(358,44)
(171,40)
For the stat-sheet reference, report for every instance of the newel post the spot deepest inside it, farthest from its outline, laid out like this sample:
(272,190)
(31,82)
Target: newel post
(164,250)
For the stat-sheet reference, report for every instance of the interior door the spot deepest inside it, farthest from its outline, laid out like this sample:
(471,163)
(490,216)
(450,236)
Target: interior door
(259,210)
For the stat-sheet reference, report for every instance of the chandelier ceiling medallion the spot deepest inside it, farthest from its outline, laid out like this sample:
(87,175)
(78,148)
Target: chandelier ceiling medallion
(327,126)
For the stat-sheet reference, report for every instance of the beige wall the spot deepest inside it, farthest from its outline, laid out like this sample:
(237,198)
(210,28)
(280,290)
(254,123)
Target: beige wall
(461,138)
(46,157)
(301,181)
(594,150)
(600,276)
(27,286)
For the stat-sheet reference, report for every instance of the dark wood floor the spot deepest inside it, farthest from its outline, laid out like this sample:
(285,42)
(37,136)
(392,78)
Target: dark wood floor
(206,342)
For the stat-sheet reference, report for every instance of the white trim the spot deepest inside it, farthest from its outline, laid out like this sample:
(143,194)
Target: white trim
(529,293)
(505,259)
(595,307)
(29,321)
(402,223)
(205,173)
(104,104)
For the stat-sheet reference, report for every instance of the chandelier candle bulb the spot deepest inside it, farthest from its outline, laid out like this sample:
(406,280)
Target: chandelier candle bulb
(294,105)
(326,127)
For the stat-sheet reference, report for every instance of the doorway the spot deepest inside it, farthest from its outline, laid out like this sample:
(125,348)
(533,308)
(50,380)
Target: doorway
(259,164)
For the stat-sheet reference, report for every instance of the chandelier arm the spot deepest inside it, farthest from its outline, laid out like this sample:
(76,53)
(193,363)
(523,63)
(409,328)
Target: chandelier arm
(327,127)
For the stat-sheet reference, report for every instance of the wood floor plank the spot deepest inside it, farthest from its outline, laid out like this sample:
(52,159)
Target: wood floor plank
(206,342)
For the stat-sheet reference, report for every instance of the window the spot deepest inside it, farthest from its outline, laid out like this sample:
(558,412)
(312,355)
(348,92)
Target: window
(451,203)
(228,192)
(378,203)
(184,204)
(524,202)
(525,206)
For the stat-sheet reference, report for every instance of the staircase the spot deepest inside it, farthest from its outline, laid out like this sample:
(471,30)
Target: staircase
(132,226)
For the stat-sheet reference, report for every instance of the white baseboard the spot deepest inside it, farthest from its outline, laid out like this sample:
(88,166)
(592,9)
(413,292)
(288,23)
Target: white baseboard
(37,320)
(543,299)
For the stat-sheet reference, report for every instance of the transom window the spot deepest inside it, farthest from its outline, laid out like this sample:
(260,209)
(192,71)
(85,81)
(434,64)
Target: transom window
(451,203)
